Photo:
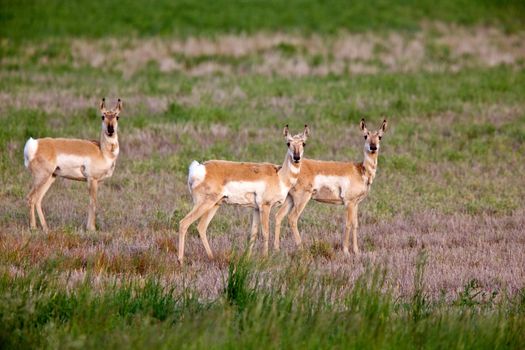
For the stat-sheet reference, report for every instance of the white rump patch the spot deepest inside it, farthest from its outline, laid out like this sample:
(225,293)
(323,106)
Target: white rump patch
(30,150)
(243,192)
(196,174)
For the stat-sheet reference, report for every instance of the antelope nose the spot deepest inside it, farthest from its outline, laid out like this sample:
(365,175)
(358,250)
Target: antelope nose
(373,147)
(111,130)
(296,157)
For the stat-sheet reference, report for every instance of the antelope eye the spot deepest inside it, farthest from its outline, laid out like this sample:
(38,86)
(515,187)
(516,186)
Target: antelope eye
(288,144)
(304,144)
(117,118)
(366,136)
(102,117)
(380,137)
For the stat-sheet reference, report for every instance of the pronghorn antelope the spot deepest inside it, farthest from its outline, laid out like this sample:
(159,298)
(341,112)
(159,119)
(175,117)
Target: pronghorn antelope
(334,183)
(255,185)
(74,159)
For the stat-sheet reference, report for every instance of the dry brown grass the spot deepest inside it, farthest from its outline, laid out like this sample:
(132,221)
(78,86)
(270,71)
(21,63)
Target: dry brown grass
(55,100)
(437,47)
(460,248)
(354,53)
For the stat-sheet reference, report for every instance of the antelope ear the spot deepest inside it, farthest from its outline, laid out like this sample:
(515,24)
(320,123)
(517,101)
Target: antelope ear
(362,125)
(118,107)
(383,127)
(103,105)
(286,132)
(306,131)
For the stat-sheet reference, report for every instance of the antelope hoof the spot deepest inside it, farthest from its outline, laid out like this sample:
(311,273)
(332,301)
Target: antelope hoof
(356,251)
(346,252)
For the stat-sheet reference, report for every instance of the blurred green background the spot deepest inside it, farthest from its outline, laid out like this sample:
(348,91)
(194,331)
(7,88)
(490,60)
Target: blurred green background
(29,19)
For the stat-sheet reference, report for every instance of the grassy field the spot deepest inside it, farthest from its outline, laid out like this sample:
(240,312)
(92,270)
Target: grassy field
(441,233)
(23,19)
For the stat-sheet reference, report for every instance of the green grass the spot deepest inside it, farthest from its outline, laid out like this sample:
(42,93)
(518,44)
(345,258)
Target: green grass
(36,312)
(34,19)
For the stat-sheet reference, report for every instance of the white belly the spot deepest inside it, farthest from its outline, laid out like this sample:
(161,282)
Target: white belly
(243,192)
(80,168)
(72,166)
(334,183)
(330,188)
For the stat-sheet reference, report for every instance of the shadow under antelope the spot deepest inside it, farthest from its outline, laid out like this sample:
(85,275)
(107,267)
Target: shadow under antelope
(74,159)
(342,183)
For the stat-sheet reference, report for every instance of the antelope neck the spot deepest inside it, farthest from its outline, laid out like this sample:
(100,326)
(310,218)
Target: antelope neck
(109,145)
(370,166)
(289,171)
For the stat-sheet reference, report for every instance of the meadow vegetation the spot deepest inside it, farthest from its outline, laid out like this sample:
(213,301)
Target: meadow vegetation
(441,232)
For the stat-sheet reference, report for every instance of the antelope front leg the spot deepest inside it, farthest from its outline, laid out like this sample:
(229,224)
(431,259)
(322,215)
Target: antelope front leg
(93,186)
(255,228)
(350,224)
(299,203)
(265,221)
(354,231)
(283,211)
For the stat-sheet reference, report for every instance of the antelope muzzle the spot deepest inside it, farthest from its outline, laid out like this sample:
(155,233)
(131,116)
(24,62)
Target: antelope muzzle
(111,130)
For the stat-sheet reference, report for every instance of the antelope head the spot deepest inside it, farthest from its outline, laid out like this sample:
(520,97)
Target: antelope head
(110,117)
(372,138)
(296,143)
